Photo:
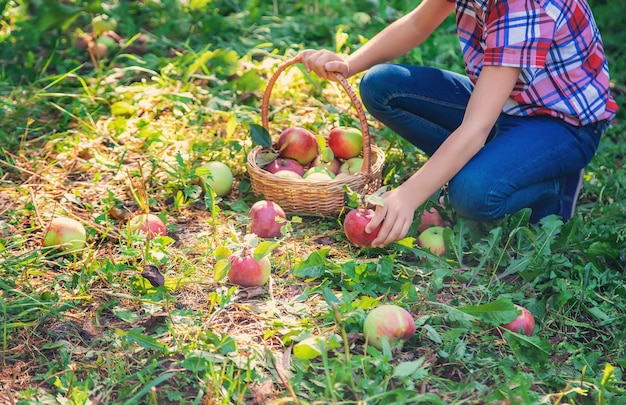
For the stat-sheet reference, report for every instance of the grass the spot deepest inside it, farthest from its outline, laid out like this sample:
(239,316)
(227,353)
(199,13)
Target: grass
(99,142)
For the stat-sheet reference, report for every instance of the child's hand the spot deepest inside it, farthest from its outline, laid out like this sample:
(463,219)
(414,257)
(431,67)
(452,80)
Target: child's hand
(322,62)
(396,217)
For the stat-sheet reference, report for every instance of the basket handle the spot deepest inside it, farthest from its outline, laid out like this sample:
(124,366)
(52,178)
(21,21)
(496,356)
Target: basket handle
(367,150)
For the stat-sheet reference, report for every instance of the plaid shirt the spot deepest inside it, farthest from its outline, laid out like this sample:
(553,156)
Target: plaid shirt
(555,42)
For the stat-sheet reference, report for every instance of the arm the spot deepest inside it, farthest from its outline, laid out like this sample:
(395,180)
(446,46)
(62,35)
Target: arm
(485,105)
(395,40)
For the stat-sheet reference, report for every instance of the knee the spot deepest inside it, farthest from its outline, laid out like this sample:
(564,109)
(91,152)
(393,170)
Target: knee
(372,87)
(475,197)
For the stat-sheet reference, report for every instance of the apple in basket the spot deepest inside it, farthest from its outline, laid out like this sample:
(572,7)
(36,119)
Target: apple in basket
(345,142)
(299,144)
(334,165)
(352,166)
(319,173)
(285,164)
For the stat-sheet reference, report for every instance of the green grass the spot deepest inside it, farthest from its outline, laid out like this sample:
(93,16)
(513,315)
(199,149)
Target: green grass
(130,133)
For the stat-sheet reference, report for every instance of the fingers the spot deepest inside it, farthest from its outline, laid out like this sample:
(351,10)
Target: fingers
(394,227)
(321,62)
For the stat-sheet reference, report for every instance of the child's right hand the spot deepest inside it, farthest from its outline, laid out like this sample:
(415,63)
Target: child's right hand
(322,62)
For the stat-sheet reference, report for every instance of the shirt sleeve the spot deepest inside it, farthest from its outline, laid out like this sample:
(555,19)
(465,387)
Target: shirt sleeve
(518,33)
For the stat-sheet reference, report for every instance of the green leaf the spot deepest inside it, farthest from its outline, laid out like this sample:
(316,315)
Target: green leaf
(260,136)
(147,342)
(222,252)
(414,368)
(314,265)
(494,313)
(221,269)
(264,249)
(125,315)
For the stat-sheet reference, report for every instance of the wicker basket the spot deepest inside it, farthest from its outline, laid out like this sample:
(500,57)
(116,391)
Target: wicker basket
(315,197)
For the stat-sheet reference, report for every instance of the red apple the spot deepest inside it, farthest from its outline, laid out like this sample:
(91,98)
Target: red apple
(263,217)
(285,164)
(524,322)
(354,227)
(389,322)
(352,166)
(430,218)
(299,144)
(148,224)
(345,142)
(65,233)
(247,272)
(432,239)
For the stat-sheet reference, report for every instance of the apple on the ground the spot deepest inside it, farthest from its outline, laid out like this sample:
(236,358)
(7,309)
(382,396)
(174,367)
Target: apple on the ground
(524,322)
(354,227)
(432,239)
(65,233)
(345,142)
(430,218)
(390,322)
(221,179)
(245,271)
(352,166)
(299,144)
(265,219)
(285,164)
(148,224)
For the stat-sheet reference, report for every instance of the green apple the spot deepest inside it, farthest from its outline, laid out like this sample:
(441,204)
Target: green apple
(65,233)
(220,178)
(352,166)
(319,173)
(432,239)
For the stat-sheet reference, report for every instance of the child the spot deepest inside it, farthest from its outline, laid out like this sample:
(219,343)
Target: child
(515,132)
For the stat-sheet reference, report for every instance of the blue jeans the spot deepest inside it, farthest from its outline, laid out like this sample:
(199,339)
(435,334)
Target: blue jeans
(524,162)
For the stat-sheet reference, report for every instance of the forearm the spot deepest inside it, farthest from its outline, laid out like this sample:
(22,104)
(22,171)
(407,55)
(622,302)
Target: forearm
(401,36)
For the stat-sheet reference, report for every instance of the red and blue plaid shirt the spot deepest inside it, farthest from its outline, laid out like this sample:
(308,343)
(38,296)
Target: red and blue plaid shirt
(555,42)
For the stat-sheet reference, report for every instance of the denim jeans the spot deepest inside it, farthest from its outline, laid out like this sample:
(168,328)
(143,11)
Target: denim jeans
(524,162)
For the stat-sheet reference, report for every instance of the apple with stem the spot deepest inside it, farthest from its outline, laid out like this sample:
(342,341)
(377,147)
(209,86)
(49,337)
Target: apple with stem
(266,219)
(524,322)
(65,233)
(432,239)
(352,166)
(390,322)
(299,144)
(246,271)
(345,142)
(148,224)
